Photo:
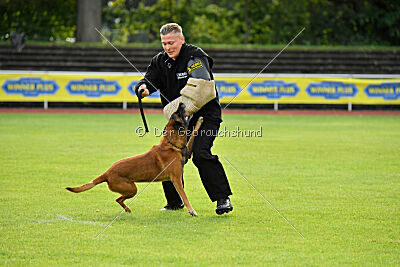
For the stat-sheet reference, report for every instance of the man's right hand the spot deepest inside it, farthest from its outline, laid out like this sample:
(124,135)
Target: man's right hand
(143,88)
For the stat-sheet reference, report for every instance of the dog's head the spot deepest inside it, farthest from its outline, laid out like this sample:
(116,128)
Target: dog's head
(176,130)
(179,119)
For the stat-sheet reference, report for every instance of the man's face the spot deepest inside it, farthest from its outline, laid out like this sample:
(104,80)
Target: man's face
(172,44)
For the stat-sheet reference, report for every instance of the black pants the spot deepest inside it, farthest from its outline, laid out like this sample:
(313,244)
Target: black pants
(211,172)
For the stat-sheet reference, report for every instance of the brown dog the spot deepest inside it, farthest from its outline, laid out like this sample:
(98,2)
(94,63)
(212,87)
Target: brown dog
(163,162)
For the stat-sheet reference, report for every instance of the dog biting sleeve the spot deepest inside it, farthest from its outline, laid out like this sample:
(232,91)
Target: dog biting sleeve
(173,107)
(199,91)
(195,95)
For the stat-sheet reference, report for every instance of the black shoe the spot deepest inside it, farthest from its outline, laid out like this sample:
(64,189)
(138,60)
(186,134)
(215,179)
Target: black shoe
(173,206)
(224,205)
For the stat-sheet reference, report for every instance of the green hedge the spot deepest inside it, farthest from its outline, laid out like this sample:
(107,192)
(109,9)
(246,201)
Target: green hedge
(256,22)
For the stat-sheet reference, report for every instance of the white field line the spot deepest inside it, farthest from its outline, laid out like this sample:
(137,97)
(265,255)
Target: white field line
(62,218)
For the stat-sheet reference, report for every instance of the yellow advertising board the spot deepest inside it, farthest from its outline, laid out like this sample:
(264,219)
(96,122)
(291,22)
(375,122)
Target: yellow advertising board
(241,88)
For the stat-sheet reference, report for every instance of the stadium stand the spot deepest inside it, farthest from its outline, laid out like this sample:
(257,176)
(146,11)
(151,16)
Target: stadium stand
(76,58)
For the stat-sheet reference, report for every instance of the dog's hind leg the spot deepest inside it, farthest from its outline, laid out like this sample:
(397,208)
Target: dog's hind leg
(121,200)
(126,188)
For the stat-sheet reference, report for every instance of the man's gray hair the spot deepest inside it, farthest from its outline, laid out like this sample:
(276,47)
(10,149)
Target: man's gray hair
(171,27)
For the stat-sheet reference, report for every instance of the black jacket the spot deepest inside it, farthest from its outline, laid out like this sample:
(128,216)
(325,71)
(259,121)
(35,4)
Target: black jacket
(170,76)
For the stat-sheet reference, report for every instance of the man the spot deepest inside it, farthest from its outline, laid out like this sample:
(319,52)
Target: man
(169,72)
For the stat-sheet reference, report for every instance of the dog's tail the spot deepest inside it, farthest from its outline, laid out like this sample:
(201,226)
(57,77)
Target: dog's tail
(78,189)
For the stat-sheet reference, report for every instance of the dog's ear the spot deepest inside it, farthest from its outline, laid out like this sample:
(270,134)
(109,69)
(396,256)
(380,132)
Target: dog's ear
(182,114)
(177,124)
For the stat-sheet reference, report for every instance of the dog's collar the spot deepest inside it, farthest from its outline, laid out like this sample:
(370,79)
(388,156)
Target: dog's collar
(181,148)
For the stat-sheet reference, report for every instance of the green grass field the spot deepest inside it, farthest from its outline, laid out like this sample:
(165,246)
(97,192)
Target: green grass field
(336,178)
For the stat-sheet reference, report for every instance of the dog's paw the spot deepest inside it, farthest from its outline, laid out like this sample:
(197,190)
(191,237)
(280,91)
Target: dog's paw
(193,213)
(128,210)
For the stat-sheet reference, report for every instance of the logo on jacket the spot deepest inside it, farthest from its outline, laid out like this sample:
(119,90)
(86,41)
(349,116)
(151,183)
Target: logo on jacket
(195,66)
(182,75)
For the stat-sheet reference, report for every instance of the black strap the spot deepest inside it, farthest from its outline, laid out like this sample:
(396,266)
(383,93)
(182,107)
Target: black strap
(141,110)
(183,149)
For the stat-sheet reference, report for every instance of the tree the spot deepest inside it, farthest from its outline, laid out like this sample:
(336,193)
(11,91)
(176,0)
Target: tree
(42,20)
(87,20)
(327,22)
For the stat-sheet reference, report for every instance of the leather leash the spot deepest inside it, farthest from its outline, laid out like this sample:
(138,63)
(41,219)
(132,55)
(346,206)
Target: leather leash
(141,109)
